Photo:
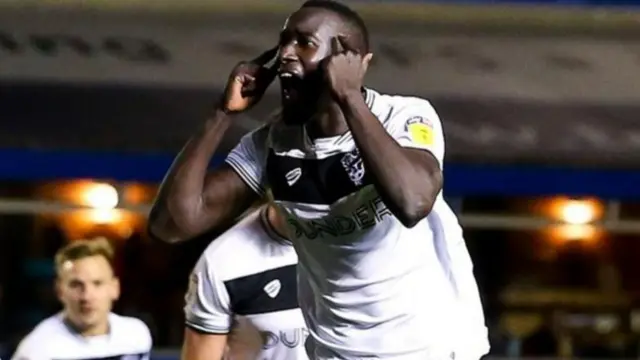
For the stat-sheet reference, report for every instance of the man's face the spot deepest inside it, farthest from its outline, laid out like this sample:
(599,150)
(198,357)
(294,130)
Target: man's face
(304,42)
(87,289)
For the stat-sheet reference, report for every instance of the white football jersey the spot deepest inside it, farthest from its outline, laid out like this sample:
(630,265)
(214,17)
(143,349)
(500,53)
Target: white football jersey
(368,286)
(246,280)
(128,339)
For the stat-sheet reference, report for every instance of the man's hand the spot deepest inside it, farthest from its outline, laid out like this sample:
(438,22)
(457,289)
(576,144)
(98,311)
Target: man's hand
(248,82)
(344,70)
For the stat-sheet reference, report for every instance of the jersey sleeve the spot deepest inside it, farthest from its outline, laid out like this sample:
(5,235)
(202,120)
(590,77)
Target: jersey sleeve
(417,125)
(30,349)
(146,340)
(248,159)
(207,304)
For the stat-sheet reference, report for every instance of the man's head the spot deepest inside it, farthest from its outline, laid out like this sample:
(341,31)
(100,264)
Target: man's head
(86,284)
(305,41)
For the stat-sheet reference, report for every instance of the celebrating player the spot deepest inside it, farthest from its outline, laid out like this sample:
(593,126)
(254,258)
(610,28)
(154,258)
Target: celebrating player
(356,173)
(243,294)
(86,328)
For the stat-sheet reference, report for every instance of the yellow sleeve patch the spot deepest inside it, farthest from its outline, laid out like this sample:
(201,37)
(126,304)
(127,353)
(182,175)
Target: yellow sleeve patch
(421,133)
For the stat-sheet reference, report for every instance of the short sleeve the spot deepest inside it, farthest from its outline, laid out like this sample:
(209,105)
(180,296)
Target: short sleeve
(30,349)
(207,305)
(146,340)
(248,159)
(416,124)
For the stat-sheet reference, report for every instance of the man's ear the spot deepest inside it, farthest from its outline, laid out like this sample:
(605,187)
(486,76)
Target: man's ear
(366,60)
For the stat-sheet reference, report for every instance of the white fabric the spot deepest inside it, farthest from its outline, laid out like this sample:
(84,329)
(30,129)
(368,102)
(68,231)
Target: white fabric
(128,339)
(368,286)
(249,248)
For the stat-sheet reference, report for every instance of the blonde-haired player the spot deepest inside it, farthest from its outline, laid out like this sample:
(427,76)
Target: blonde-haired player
(87,287)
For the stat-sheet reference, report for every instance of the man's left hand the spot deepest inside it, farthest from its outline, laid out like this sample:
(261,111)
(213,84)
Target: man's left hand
(344,70)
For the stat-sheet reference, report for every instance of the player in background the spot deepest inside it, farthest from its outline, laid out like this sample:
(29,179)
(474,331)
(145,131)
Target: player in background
(242,295)
(356,173)
(86,328)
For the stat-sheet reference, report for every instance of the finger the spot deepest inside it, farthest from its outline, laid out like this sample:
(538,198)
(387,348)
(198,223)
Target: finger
(346,45)
(248,90)
(266,56)
(244,78)
(245,84)
(336,46)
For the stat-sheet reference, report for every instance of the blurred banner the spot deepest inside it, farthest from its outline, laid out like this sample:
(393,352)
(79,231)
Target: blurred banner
(253,5)
(528,2)
(505,97)
(160,119)
(592,16)
(407,59)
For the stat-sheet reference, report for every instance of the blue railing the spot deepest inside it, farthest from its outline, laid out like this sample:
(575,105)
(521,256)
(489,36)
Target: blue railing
(460,179)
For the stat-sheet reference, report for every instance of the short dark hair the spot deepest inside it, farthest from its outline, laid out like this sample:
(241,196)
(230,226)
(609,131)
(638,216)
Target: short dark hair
(347,14)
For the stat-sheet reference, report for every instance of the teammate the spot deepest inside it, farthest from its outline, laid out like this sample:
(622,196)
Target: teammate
(245,281)
(357,174)
(86,328)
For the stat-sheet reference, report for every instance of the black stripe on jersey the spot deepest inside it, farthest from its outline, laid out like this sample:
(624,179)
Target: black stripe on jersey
(138,356)
(250,294)
(321,181)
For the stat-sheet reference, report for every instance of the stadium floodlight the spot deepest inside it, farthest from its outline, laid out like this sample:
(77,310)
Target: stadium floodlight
(100,196)
(576,219)
(103,199)
(578,212)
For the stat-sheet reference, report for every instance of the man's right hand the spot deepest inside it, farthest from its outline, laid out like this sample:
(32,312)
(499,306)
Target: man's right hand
(249,81)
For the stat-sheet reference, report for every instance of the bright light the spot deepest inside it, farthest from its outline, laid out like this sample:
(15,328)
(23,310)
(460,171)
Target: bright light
(577,212)
(101,196)
(574,232)
(575,220)
(104,216)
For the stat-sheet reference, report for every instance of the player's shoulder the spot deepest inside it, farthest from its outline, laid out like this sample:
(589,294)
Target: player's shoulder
(393,107)
(132,329)
(262,131)
(47,328)
(250,239)
(397,101)
(39,340)
(129,335)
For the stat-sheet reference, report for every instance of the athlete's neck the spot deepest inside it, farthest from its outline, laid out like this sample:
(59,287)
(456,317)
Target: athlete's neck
(329,120)
(329,123)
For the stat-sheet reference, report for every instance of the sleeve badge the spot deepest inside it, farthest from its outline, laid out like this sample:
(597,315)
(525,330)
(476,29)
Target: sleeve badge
(420,130)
